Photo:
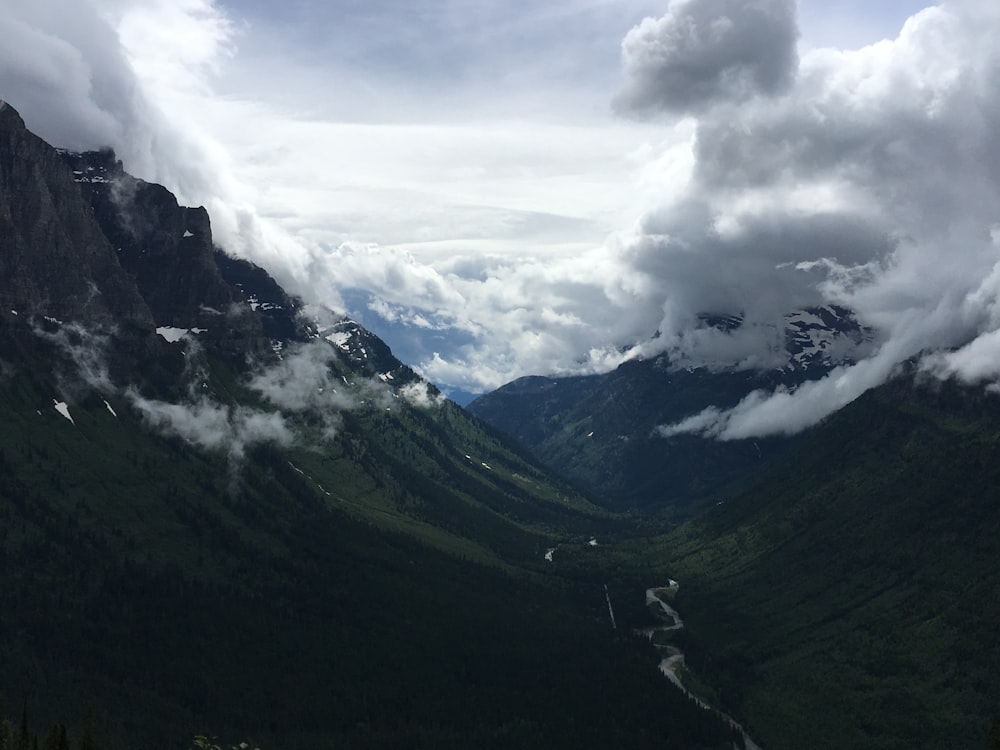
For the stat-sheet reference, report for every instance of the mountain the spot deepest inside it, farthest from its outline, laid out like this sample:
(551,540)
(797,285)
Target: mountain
(227,513)
(838,588)
(600,430)
(845,593)
(56,260)
(849,596)
(223,512)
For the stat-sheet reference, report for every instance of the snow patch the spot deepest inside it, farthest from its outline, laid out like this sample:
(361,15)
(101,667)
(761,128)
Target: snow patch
(171,334)
(805,318)
(113,414)
(62,408)
(339,338)
(188,233)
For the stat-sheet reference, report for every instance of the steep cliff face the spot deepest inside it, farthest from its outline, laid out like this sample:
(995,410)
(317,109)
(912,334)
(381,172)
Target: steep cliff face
(54,258)
(168,251)
(165,247)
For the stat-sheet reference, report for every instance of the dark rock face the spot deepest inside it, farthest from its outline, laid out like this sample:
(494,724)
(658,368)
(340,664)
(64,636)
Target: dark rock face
(187,282)
(83,241)
(165,247)
(278,312)
(54,259)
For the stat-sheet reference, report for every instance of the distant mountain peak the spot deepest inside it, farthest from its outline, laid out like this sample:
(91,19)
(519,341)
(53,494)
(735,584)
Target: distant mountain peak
(825,336)
(812,338)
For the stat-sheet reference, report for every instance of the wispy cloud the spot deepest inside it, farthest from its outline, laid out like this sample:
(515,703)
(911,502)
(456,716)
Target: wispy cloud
(86,349)
(214,426)
(421,395)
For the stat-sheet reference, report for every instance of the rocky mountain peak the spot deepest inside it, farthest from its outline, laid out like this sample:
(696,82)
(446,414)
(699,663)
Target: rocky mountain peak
(809,340)
(169,254)
(54,258)
(165,247)
(83,241)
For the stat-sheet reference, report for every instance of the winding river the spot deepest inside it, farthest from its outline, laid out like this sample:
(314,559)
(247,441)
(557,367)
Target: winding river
(674,657)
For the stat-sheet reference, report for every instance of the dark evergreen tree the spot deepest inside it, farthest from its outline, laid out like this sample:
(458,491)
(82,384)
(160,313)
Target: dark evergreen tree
(24,734)
(56,738)
(88,733)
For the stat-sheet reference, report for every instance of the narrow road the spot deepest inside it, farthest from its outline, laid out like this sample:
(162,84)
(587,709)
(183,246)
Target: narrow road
(674,658)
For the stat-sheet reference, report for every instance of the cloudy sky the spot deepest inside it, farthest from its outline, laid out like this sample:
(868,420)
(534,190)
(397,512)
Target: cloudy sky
(509,188)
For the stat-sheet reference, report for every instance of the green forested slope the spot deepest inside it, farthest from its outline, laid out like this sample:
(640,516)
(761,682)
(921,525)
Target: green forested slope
(369,587)
(851,598)
(599,431)
(220,515)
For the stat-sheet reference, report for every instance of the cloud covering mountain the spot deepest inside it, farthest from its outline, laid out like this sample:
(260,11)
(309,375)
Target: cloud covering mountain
(873,184)
(767,174)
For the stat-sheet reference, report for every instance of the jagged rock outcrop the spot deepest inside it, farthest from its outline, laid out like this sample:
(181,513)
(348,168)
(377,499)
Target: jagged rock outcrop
(83,241)
(54,259)
(168,251)
(167,248)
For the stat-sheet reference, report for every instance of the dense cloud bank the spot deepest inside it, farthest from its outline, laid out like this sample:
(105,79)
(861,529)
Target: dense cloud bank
(873,183)
(785,177)
(707,51)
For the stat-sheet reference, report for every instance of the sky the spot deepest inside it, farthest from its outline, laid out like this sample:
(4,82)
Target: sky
(511,188)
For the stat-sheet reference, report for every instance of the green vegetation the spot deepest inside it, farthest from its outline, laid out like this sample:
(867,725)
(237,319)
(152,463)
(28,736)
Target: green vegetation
(176,591)
(849,598)
(597,431)
(373,573)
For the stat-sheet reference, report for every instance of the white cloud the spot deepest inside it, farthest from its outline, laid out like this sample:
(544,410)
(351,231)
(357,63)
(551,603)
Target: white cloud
(85,349)
(303,381)
(703,52)
(866,177)
(872,183)
(419,394)
(214,426)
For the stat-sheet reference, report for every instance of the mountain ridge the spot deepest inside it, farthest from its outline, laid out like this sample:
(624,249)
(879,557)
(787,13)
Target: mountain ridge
(223,512)
(602,432)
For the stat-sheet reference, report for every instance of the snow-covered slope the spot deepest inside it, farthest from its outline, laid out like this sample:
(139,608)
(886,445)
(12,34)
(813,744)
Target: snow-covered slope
(823,337)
